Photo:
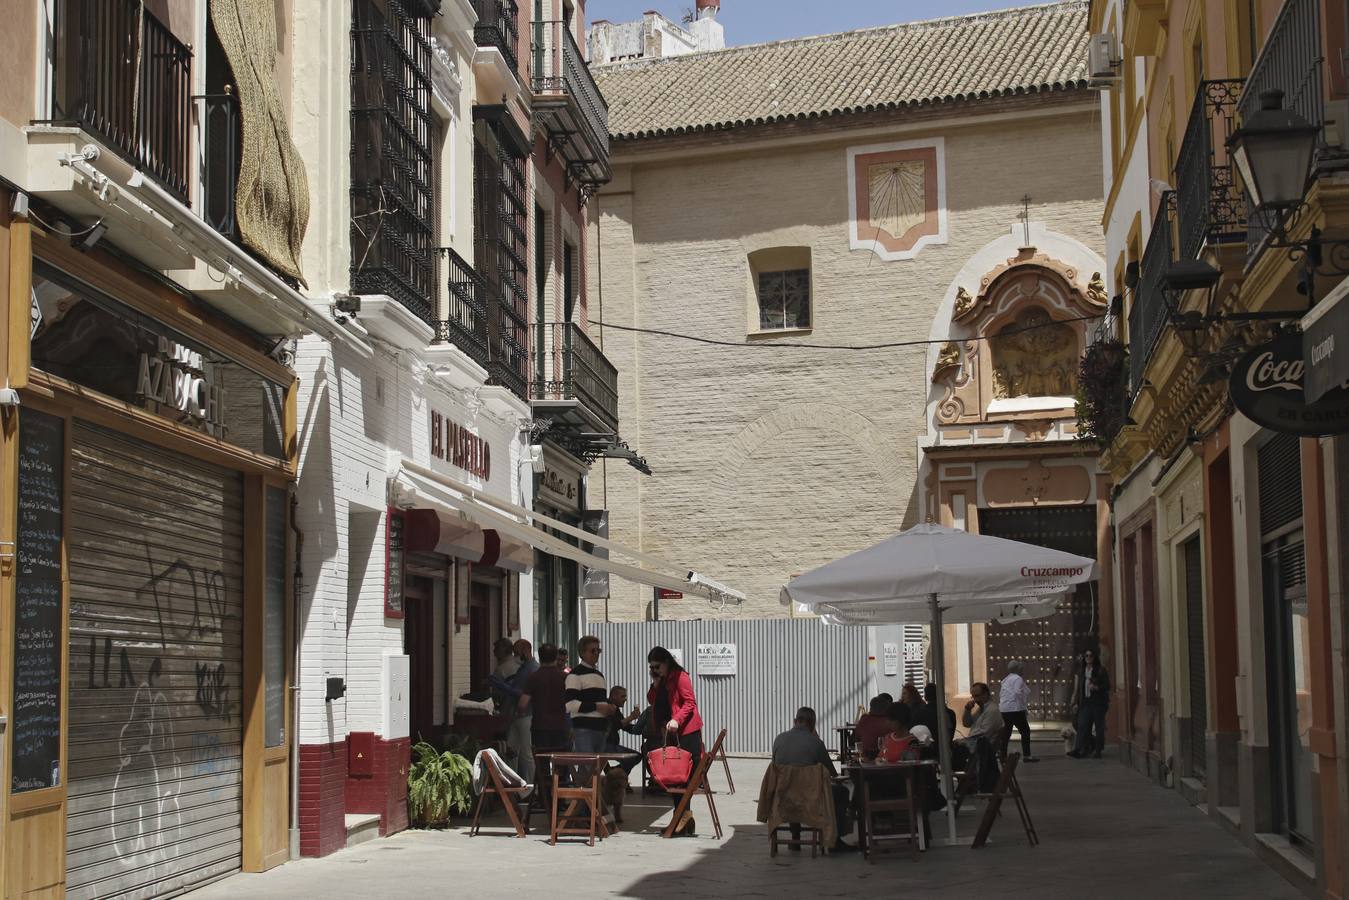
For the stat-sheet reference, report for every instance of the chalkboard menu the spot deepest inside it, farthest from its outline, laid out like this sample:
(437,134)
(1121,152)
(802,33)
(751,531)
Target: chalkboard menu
(38,640)
(274,619)
(393,583)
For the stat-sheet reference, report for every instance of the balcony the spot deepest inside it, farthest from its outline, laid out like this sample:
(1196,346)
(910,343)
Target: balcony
(574,383)
(466,322)
(1210,208)
(498,27)
(1290,61)
(1151,306)
(568,105)
(123,77)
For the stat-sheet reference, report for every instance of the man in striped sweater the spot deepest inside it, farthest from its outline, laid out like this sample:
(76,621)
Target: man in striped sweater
(588,699)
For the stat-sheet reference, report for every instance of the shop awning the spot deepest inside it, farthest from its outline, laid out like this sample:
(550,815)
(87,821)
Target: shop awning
(461,503)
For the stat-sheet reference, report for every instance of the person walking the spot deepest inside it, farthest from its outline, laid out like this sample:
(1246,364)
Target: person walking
(1013,698)
(587,699)
(672,703)
(1091,696)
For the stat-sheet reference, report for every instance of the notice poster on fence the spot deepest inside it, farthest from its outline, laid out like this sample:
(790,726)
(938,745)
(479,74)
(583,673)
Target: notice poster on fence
(716,659)
(890,659)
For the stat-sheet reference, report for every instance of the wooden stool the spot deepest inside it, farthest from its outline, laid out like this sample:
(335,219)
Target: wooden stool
(810,837)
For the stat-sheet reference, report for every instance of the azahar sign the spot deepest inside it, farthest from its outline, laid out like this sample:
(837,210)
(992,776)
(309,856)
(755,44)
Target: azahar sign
(1267,385)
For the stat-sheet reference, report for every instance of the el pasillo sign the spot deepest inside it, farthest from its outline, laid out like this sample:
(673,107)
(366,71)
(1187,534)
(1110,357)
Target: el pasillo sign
(1267,385)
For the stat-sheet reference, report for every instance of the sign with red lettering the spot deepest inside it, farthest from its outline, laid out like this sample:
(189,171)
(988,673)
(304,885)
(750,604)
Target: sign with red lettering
(460,447)
(1267,385)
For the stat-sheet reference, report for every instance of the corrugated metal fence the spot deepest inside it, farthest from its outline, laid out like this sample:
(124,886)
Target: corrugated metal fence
(781,664)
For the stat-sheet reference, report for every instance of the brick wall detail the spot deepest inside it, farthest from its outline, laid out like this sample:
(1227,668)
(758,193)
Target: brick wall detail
(385,791)
(323,777)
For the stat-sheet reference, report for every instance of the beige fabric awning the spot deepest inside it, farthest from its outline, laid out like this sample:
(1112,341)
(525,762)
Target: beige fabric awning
(516,523)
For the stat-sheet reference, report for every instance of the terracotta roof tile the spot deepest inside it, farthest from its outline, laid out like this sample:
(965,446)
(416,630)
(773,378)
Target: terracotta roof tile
(1034,48)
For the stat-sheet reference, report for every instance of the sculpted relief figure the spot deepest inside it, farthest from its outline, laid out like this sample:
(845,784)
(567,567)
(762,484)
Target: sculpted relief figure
(1096,290)
(1034,357)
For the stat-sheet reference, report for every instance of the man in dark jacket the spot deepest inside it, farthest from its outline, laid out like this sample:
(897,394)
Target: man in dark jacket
(1091,695)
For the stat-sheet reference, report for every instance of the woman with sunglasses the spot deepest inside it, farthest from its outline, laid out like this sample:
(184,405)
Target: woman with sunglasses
(1091,695)
(674,710)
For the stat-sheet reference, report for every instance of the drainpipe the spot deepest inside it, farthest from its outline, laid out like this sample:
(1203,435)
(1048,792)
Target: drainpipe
(296,582)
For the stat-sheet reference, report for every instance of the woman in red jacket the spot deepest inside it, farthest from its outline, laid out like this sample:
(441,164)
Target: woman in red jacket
(674,711)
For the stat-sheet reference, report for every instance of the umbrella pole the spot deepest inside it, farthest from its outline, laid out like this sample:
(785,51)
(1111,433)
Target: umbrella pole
(943,733)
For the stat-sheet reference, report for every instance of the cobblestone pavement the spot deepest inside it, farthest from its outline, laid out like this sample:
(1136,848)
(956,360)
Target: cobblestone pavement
(1104,831)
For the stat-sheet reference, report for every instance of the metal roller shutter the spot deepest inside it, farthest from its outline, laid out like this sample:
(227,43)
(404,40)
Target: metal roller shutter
(156,651)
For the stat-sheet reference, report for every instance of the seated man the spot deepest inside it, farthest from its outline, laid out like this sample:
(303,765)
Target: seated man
(873,726)
(984,722)
(801,746)
(619,724)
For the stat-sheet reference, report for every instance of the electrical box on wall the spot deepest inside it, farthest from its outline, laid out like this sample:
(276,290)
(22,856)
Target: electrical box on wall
(397,684)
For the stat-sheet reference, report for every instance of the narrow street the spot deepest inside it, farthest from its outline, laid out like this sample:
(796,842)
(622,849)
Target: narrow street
(1104,832)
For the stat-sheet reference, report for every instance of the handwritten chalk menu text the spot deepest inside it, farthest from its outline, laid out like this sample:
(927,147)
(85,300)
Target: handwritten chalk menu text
(36,728)
(393,583)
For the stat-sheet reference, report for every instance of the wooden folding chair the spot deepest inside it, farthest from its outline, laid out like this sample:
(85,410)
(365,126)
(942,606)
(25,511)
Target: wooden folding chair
(1007,786)
(587,792)
(509,797)
(697,785)
(725,766)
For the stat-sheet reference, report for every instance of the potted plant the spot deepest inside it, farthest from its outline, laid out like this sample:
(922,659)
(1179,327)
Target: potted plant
(438,784)
(1102,391)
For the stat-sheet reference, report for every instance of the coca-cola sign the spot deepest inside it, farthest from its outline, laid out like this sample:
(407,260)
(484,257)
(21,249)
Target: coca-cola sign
(1266,385)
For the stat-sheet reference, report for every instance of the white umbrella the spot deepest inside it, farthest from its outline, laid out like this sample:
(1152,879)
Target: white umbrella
(935,574)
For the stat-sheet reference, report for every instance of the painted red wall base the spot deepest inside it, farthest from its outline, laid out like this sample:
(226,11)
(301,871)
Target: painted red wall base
(323,785)
(385,790)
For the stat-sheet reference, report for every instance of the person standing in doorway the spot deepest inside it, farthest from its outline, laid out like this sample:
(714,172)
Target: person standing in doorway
(1091,695)
(672,703)
(1013,699)
(588,699)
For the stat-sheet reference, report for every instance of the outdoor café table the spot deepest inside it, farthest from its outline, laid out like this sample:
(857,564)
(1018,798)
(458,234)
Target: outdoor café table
(846,737)
(595,762)
(861,769)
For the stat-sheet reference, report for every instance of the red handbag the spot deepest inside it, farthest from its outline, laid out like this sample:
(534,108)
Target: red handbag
(671,765)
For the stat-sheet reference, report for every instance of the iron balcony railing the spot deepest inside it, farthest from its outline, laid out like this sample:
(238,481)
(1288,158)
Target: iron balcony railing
(1290,61)
(509,366)
(560,68)
(1151,305)
(121,75)
(498,26)
(1209,205)
(569,366)
(465,324)
(223,150)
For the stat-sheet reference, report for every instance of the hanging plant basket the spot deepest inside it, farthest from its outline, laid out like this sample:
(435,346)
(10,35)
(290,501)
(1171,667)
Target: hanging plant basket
(1102,391)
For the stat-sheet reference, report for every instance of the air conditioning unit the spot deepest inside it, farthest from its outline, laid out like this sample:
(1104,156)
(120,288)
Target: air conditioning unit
(1103,60)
